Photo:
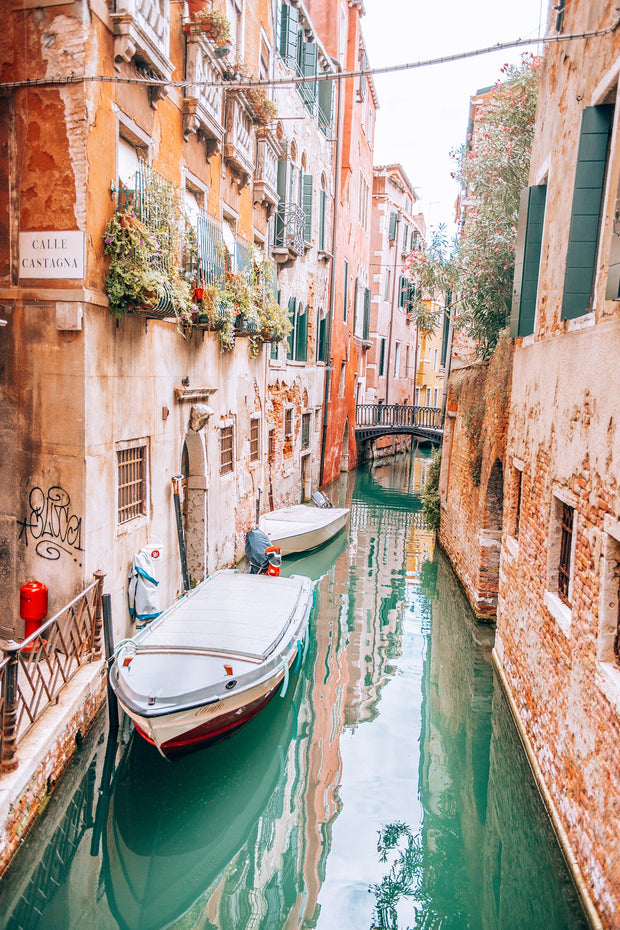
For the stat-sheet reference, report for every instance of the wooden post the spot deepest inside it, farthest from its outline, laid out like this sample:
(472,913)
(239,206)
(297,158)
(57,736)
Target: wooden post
(99,575)
(108,637)
(9,761)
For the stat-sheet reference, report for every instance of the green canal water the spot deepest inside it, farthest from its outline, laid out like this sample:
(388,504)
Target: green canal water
(387,789)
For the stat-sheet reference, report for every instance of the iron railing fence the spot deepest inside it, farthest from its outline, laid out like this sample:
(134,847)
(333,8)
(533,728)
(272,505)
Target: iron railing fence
(290,227)
(34,672)
(398,415)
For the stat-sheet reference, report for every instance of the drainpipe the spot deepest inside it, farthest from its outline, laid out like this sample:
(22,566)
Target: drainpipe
(332,277)
(389,353)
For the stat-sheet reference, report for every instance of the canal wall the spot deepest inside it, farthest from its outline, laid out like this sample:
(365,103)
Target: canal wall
(471,482)
(44,754)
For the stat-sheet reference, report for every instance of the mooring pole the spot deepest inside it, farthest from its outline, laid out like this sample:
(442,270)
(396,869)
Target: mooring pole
(176,482)
(108,640)
(257,507)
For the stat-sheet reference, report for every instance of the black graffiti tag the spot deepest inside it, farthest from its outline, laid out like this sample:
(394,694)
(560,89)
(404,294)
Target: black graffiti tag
(51,523)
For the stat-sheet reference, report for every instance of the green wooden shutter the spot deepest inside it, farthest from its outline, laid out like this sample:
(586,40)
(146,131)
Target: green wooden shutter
(307,205)
(326,104)
(444,336)
(279,223)
(309,61)
(289,31)
(382,359)
(527,259)
(392,232)
(366,332)
(322,210)
(301,336)
(585,216)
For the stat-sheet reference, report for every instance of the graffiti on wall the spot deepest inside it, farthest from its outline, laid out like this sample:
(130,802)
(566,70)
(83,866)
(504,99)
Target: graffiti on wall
(51,523)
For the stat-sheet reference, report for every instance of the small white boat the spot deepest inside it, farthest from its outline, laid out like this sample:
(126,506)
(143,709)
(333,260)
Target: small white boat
(303,527)
(213,660)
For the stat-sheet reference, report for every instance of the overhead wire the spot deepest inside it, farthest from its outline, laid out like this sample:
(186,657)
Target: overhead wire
(244,83)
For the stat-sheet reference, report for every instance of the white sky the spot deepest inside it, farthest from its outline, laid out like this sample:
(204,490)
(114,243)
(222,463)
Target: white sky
(423,113)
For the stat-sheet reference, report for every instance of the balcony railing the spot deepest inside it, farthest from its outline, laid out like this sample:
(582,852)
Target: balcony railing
(266,173)
(203,105)
(142,31)
(239,139)
(34,672)
(289,228)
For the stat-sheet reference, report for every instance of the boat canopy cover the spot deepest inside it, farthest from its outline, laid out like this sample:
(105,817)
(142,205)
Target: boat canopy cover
(230,612)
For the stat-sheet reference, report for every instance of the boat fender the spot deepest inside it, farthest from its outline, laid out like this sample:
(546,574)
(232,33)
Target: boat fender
(285,680)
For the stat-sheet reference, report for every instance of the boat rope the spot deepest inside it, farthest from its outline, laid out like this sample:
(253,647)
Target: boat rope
(118,647)
(298,657)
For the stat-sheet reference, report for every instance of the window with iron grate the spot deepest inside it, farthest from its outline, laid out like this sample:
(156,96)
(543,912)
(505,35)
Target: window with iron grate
(131,476)
(254,439)
(566,542)
(226,450)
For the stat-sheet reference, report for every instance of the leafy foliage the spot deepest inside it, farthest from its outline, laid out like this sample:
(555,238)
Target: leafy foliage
(435,273)
(492,168)
(431,504)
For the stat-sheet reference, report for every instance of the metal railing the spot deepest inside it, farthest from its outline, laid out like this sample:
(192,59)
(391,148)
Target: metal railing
(290,226)
(34,672)
(389,415)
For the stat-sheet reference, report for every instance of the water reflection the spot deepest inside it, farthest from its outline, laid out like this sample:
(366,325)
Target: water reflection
(388,789)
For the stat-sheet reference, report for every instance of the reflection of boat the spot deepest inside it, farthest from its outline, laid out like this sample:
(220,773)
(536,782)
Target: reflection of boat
(172,831)
(316,564)
(213,660)
(303,527)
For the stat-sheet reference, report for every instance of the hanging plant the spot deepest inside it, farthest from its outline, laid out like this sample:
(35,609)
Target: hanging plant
(265,110)
(135,277)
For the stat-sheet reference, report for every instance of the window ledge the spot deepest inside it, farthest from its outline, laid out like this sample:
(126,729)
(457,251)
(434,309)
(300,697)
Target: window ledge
(608,680)
(324,256)
(561,612)
(581,322)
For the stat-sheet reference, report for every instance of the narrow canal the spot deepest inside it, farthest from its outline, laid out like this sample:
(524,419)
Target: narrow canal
(388,788)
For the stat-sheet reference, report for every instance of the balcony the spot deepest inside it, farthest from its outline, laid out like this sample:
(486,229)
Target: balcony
(203,105)
(266,173)
(289,232)
(142,34)
(238,144)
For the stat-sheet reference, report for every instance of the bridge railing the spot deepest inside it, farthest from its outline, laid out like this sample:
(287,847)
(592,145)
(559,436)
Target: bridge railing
(394,415)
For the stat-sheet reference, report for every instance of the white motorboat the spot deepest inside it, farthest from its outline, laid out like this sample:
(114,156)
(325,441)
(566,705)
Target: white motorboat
(213,660)
(303,527)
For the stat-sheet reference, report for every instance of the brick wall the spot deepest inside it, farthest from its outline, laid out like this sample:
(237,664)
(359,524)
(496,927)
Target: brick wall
(473,475)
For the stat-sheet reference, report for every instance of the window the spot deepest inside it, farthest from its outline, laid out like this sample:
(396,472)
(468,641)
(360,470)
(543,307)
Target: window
(435,359)
(305,430)
(343,372)
(226,450)
(388,276)
(254,439)
(382,358)
(306,203)
(566,544)
(518,490)
(321,345)
(131,476)
(396,359)
(322,214)
(271,446)
(288,431)
(298,337)
(392,227)
(428,397)
(435,397)
(345,299)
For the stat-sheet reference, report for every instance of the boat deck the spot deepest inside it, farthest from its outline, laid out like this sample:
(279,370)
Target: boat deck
(230,613)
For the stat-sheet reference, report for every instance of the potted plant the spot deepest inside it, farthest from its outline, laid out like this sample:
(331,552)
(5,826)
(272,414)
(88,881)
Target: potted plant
(211,23)
(264,108)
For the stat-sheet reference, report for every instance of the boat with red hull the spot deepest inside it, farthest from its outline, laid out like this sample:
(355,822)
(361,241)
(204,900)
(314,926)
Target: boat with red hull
(213,660)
